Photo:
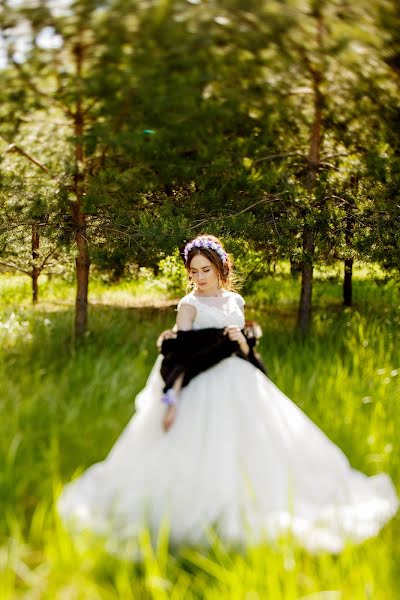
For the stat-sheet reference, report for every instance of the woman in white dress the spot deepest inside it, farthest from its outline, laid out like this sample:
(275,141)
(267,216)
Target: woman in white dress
(229,451)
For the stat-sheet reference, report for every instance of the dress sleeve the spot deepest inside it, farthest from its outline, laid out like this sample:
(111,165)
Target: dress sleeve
(187,300)
(240,300)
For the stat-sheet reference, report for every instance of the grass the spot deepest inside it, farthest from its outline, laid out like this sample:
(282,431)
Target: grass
(62,409)
(15,290)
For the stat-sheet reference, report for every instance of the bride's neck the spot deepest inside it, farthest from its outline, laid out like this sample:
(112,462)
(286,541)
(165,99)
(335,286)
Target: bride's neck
(212,294)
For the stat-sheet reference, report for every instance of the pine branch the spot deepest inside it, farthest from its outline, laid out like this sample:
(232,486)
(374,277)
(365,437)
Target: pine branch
(250,273)
(273,219)
(47,258)
(4,264)
(326,156)
(263,201)
(327,165)
(16,148)
(281,155)
(45,121)
(207,220)
(90,106)
(22,152)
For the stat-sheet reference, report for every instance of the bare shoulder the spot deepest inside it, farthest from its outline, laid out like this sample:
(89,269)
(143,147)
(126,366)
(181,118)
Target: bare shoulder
(186,315)
(187,309)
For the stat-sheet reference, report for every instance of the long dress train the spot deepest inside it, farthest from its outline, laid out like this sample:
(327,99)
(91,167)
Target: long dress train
(241,457)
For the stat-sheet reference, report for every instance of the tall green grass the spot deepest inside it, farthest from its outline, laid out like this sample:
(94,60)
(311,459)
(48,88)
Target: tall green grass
(15,290)
(63,408)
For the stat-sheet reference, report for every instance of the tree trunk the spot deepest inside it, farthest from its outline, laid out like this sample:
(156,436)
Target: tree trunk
(78,212)
(35,267)
(348,263)
(307,262)
(304,317)
(347,282)
(305,305)
(82,262)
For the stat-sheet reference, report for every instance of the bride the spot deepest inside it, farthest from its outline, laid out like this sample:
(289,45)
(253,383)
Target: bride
(226,450)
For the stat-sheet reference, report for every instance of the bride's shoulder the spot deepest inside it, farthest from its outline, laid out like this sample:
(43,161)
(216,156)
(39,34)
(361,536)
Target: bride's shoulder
(190,299)
(238,299)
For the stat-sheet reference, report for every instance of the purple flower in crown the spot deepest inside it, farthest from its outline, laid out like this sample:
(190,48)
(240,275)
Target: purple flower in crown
(188,248)
(205,243)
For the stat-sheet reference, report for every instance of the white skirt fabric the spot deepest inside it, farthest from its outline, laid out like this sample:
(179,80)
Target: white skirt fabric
(241,458)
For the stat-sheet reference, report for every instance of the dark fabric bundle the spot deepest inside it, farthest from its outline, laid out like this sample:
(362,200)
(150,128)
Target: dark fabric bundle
(192,352)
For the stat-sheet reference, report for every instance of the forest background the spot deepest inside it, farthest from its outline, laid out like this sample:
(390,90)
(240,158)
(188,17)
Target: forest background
(128,127)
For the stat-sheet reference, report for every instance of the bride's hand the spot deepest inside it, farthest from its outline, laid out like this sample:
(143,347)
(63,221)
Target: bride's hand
(165,335)
(169,417)
(235,335)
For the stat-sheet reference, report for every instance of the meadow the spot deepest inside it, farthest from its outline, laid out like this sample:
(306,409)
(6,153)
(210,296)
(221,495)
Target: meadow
(62,408)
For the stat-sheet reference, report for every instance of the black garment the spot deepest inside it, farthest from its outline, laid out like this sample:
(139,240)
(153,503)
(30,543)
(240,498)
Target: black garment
(195,351)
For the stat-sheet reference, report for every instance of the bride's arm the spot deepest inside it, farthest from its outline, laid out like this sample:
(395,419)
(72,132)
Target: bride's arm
(184,322)
(185,318)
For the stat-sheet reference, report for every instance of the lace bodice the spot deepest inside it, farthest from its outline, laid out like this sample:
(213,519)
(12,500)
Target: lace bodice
(216,311)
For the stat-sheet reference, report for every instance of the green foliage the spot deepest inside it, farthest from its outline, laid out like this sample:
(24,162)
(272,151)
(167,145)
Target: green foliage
(172,269)
(198,116)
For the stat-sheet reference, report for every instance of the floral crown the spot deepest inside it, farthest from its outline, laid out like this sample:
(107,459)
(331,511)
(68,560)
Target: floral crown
(209,245)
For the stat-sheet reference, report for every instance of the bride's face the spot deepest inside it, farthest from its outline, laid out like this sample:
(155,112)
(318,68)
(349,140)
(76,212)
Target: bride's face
(203,274)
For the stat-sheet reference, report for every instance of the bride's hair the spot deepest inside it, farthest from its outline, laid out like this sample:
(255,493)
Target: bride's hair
(211,247)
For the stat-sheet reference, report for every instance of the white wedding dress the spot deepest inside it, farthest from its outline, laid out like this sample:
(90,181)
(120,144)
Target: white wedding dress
(241,458)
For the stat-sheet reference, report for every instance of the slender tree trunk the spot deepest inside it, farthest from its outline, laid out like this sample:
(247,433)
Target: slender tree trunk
(347,282)
(308,241)
(82,262)
(305,305)
(35,239)
(348,263)
(35,267)
(78,212)
(304,317)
